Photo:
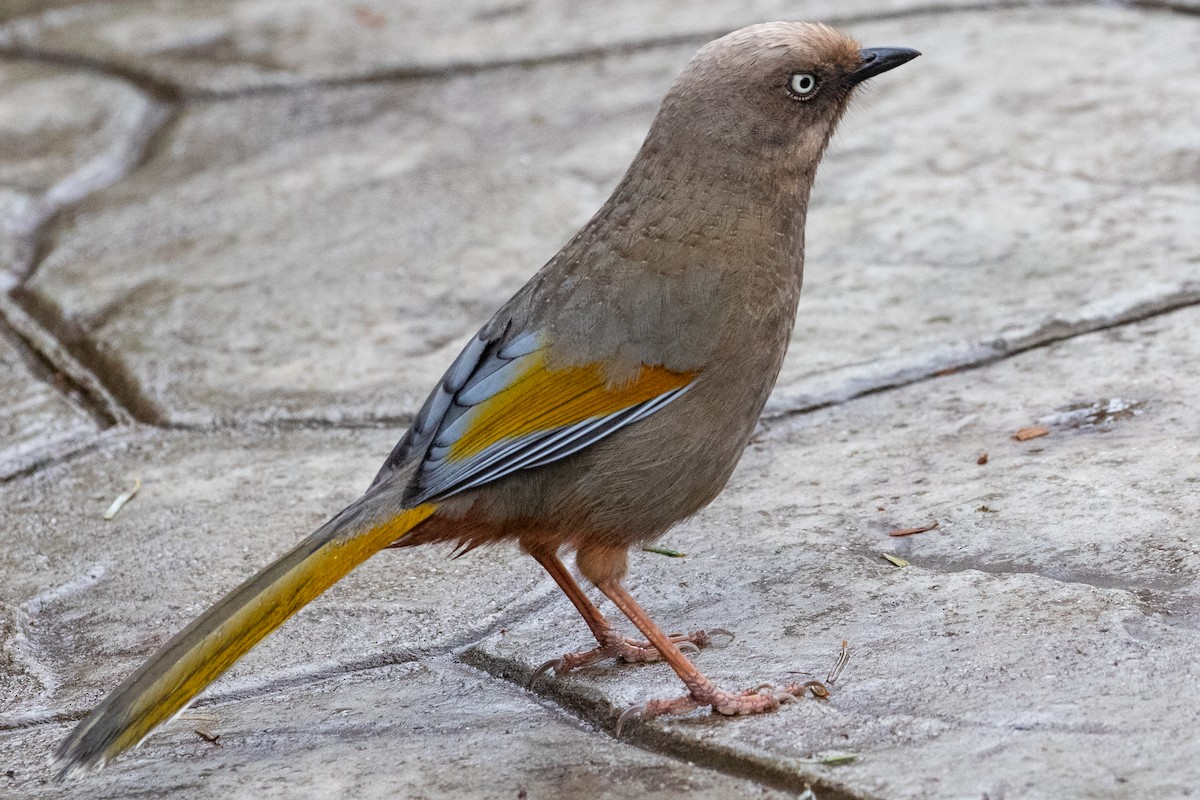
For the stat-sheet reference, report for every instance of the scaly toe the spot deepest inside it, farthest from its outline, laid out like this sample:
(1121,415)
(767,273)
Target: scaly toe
(631,651)
(729,704)
(657,708)
(743,704)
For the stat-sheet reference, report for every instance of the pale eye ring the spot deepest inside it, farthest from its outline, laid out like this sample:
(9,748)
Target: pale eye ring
(803,85)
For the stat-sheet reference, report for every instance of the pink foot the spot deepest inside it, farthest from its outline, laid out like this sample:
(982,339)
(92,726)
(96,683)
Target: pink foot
(630,651)
(732,704)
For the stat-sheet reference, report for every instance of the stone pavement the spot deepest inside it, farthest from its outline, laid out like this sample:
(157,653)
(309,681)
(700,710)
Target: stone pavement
(239,240)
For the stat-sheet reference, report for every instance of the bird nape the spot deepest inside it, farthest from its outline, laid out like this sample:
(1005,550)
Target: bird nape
(608,399)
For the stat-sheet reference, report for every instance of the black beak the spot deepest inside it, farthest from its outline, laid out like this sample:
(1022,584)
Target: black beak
(880,59)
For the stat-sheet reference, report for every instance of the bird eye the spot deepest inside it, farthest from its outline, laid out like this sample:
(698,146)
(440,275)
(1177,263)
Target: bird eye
(803,85)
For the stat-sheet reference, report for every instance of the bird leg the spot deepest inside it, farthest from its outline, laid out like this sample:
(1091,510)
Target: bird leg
(701,690)
(610,643)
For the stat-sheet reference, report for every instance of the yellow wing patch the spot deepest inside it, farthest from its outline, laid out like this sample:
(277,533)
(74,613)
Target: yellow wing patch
(542,399)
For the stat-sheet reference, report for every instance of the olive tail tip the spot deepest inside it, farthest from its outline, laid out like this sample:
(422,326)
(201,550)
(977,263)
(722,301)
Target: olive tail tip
(69,761)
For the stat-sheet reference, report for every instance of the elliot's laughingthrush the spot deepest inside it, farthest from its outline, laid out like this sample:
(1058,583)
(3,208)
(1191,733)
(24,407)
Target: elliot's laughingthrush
(607,400)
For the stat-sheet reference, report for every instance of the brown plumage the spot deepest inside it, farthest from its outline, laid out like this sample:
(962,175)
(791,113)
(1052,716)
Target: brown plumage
(610,398)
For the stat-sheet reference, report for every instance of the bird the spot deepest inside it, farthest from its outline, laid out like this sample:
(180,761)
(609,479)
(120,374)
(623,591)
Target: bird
(610,398)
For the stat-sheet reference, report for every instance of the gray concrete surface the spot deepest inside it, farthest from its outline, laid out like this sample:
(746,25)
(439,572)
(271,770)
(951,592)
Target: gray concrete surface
(222,47)
(210,280)
(239,241)
(442,732)
(36,420)
(1044,635)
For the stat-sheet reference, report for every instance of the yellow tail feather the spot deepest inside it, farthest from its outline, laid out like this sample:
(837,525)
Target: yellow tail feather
(211,644)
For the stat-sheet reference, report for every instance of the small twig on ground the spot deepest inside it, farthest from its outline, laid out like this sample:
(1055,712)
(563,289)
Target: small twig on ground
(911,531)
(663,551)
(1033,432)
(831,760)
(121,500)
(208,736)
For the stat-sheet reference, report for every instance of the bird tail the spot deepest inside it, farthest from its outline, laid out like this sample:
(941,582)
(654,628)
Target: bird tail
(203,650)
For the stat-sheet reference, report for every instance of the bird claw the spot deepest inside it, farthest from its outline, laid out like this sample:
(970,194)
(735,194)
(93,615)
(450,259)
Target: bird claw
(818,689)
(702,637)
(720,632)
(629,713)
(750,701)
(631,651)
(542,670)
(657,708)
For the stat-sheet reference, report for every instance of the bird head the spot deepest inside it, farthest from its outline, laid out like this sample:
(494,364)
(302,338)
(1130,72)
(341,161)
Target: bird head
(771,93)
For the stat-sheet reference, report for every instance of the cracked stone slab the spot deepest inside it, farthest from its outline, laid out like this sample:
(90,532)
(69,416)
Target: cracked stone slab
(1039,644)
(84,601)
(36,417)
(15,9)
(224,46)
(63,133)
(1180,6)
(402,731)
(323,254)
